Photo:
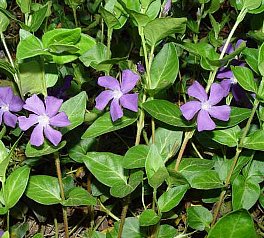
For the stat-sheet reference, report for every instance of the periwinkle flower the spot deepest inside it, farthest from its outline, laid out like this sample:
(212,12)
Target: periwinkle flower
(118,93)
(61,91)
(205,107)
(166,8)
(140,68)
(45,117)
(9,103)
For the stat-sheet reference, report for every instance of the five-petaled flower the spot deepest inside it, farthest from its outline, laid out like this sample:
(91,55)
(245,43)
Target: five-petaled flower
(9,103)
(205,107)
(44,117)
(118,93)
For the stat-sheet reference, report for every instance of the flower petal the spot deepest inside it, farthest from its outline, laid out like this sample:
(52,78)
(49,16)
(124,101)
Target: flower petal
(53,105)
(109,82)
(196,90)
(6,94)
(129,80)
(52,135)
(115,110)
(226,84)
(229,49)
(224,73)
(10,119)
(103,99)
(216,94)
(204,121)
(26,122)
(220,112)
(1,116)
(130,101)
(37,137)
(239,42)
(16,104)
(189,109)
(60,120)
(34,104)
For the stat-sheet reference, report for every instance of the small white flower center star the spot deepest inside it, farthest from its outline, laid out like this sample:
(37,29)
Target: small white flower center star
(117,94)
(43,120)
(233,80)
(206,106)
(5,107)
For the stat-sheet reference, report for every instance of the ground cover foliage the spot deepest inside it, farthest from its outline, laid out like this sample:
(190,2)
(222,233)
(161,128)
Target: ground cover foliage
(132,118)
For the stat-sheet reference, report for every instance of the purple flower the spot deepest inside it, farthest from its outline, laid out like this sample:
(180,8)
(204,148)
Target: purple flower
(118,93)
(166,8)
(205,107)
(9,103)
(140,68)
(44,117)
(1,233)
(61,91)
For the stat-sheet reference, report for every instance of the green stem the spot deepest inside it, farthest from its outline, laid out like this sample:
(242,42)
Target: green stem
(75,16)
(8,220)
(109,213)
(238,151)
(109,39)
(64,209)
(56,227)
(123,216)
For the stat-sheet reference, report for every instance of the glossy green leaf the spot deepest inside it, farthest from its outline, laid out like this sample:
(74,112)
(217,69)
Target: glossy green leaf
(135,157)
(167,231)
(85,43)
(254,170)
(255,141)
(148,218)
(32,69)
(153,9)
(250,5)
(24,5)
(79,197)
(164,68)
(166,112)
(261,59)
(104,124)
(199,217)
(6,68)
(75,109)
(3,4)
(15,186)
(4,22)
(51,74)
(106,167)
(4,160)
(155,167)
(251,57)
(171,198)
(44,189)
(245,192)
(233,225)
(193,165)
(160,28)
(229,137)
(38,17)
(45,149)
(245,78)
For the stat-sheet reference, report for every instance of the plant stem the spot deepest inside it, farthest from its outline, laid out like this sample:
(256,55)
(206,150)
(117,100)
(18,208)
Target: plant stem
(8,220)
(75,16)
(64,209)
(187,136)
(123,216)
(238,151)
(109,39)
(104,209)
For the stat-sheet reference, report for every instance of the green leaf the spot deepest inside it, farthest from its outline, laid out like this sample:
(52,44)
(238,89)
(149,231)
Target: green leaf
(106,167)
(251,57)
(111,20)
(164,68)
(167,231)
(29,46)
(79,197)
(86,43)
(160,28)
(61,37)
(75,109)
(4,22)
(199,217)
(6,68)
(148,218)
(51,74)
(6,235)
(171,198)
(153,9)
(168,141)
(45,149)
(261,59)
(15,186)
(32,77)
(227,137)
(250,5)
(237,115)
(44,189)
(245,78)
(104,124)
(255,141)
(245,192)
(121,189)
(204,180)
(233,225)
(166,112)
(3,4)
(135,157)
(38,17)
(4,160)
(24,5)
(189,165)
(155,167)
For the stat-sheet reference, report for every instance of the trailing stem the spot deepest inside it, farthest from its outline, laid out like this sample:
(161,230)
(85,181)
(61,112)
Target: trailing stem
(238,151)
(64,209)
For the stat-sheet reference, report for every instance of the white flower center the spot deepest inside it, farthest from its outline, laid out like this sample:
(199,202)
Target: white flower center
(206,106)
(5,107)
(117,94)
(233,80)
(43,120)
